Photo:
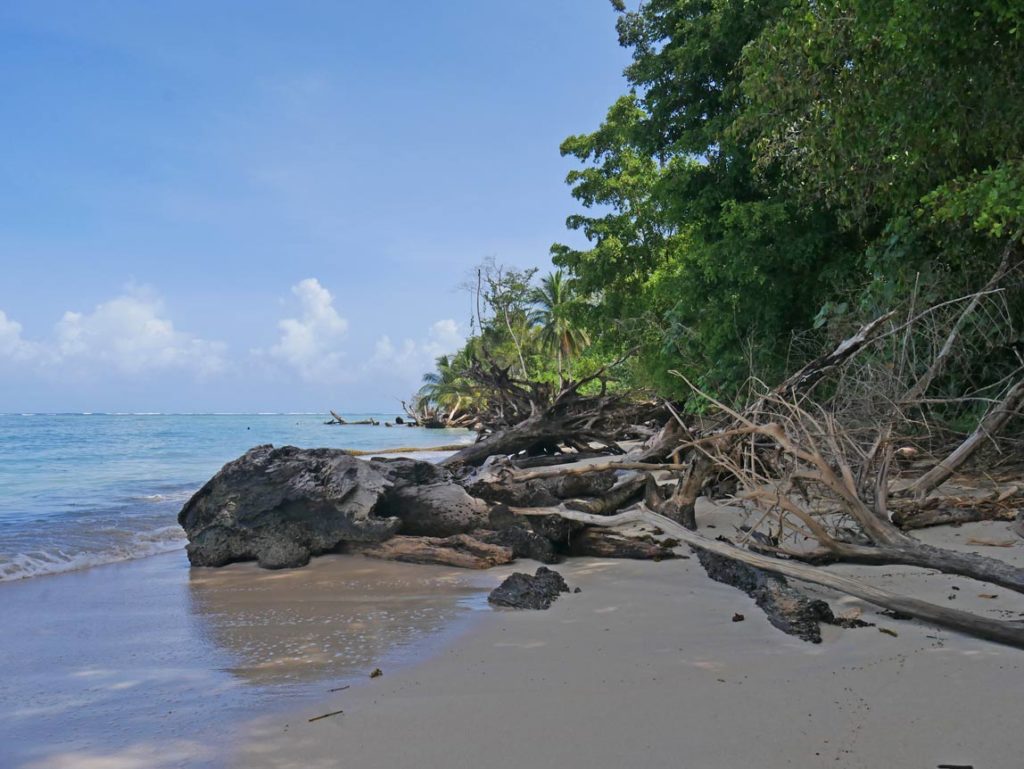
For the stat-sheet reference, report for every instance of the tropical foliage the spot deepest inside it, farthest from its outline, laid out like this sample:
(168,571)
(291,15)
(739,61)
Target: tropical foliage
(782,168)
(778,171)
(523,326)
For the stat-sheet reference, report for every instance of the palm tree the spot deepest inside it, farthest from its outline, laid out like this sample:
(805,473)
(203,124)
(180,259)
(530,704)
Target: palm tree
(552,301)
(444,387)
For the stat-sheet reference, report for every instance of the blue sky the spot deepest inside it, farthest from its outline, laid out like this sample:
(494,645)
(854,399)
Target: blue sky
(247,205)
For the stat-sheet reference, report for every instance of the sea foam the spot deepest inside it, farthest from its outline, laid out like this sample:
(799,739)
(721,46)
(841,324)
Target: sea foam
(58,560)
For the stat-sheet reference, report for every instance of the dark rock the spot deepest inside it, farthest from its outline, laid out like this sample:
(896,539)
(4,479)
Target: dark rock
(525,543)
(553,528)
(578,590)
(426,498)
(895,614)
(435,509)
(461,551)
(539,492)
(737,617)
(787,608)
(281,506)
(521,591)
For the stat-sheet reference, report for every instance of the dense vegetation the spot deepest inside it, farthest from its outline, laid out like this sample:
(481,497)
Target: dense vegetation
(777,172)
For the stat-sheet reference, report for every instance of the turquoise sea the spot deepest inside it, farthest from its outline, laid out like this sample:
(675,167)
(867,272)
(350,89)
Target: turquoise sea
(78,490)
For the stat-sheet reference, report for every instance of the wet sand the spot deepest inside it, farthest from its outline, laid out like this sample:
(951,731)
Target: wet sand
(147,664)
(646,668)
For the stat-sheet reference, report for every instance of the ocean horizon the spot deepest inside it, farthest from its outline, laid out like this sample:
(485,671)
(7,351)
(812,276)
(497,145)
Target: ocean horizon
(81,489)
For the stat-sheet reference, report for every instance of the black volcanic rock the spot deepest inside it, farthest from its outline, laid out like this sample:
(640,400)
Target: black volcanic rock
(280,506)
(522,591)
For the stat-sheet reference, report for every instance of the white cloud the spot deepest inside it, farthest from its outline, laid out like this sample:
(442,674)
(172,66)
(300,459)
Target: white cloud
(412,358)
(128,334)
(12,346)
(311,344)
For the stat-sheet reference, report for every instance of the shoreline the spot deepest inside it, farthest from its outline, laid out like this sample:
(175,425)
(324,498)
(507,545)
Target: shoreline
(646,667)
(245,667)
(149,664)
(117,496)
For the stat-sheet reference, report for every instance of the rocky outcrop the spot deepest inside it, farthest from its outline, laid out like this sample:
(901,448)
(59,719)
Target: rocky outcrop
(522,591)
(280,506)
(425,497)
(461,550)
(524,542)
(539,492)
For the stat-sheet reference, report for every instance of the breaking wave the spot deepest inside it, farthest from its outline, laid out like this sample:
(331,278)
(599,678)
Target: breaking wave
(57,560)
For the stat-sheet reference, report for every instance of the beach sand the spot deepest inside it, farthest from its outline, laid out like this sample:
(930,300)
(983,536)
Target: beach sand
(150,665)
(646,668)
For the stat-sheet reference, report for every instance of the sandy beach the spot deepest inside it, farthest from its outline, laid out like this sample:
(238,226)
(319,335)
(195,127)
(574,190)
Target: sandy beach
(149,665)
(646,667)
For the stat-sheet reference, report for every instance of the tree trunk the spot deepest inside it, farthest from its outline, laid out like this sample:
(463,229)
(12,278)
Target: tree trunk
(1006,632)
(993,422)
(970,565)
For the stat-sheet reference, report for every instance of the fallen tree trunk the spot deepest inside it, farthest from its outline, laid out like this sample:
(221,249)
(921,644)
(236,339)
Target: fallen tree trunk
(461,551)
(786,608)
(972,565)
(949,515)
(993,422)
(528,463)
(338,420)
(604,543)
(1006,632)
(544,430)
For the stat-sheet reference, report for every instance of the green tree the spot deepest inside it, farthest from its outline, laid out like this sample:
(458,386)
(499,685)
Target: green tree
(693,254)
(553,302)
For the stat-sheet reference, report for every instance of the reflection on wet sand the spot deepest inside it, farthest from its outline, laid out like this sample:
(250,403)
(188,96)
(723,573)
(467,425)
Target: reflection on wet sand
(333,619)
(146,664)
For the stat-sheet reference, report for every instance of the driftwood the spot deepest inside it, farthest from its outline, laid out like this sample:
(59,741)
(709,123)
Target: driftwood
(605,543)
(1006,632)
(461,550)
(403,450)
(533,418)
(944,513)
(994,421)
(336,419)
(326,715)
(786,608)
(807,467)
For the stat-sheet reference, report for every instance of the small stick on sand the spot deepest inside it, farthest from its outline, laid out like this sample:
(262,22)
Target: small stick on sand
(326,715)
(341,688)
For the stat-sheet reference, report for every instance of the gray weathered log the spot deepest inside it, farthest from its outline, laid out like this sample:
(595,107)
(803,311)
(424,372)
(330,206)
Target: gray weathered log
(994,421)
(461,550)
